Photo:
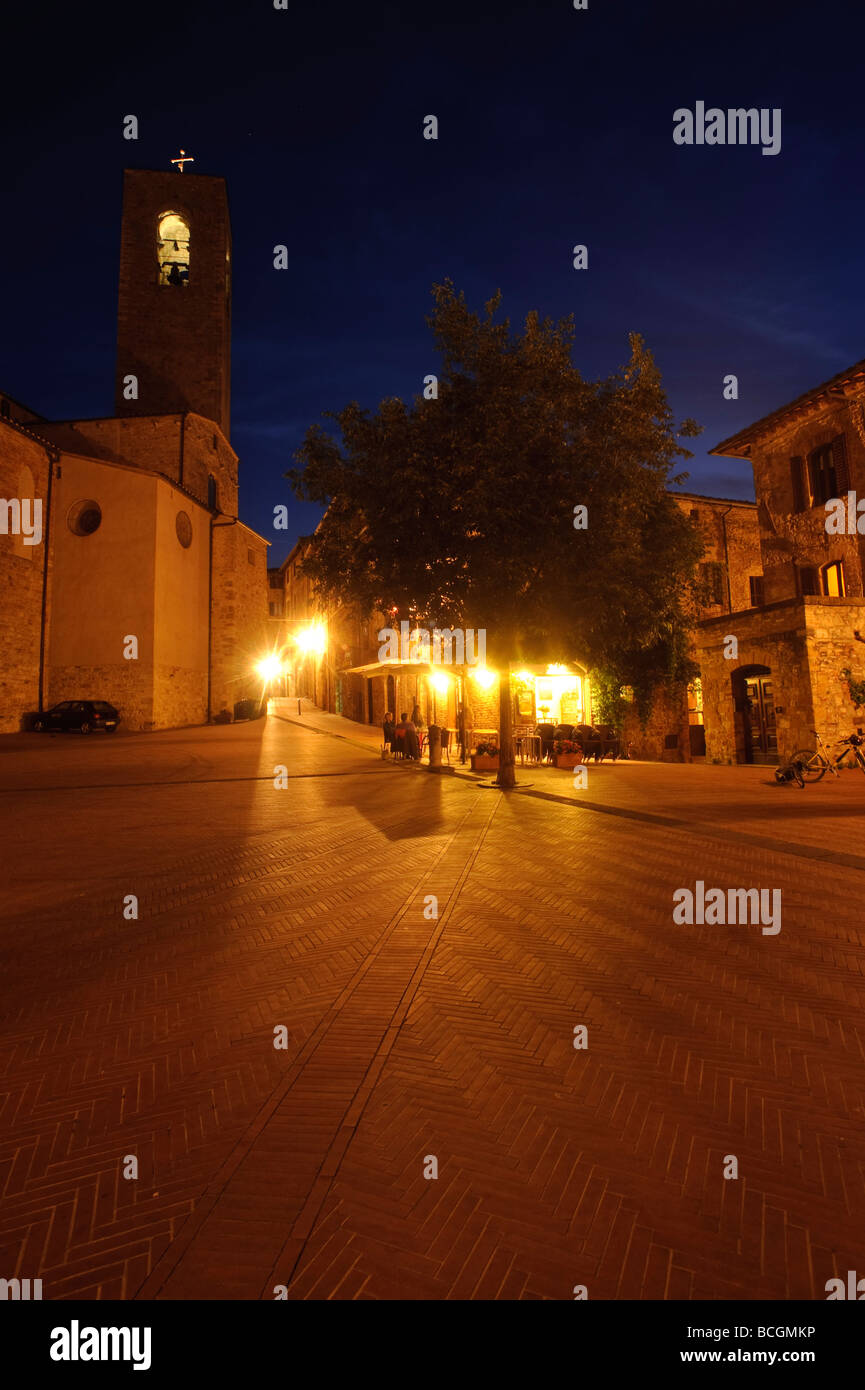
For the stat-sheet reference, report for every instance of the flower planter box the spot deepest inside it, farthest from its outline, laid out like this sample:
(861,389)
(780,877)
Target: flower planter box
(482,762)
(568,759)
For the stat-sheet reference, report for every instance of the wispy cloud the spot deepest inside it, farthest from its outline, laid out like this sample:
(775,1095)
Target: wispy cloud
(749,310)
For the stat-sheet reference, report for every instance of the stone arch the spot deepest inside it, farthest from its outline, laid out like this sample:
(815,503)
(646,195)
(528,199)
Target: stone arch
(172,248)
(753,694)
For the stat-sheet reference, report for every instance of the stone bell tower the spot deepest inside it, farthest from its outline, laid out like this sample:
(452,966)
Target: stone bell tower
(174,302)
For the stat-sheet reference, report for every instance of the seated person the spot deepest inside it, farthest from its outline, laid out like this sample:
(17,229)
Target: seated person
(388,729)
(610,740)
(590,741)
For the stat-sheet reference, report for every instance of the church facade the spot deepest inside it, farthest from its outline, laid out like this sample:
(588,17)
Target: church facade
(144,588)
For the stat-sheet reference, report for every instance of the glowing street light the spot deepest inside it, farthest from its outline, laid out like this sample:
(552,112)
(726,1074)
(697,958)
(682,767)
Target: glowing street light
(269,668)
(312,639)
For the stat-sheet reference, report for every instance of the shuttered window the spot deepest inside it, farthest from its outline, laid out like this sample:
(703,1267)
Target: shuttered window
(842,473)
(712,575)
(756,583)
(797,481)
(822,472)
(809,580)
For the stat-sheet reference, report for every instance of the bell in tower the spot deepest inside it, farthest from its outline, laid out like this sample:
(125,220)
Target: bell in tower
(174,302)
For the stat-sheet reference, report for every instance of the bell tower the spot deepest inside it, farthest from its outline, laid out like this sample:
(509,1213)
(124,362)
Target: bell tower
(174,301)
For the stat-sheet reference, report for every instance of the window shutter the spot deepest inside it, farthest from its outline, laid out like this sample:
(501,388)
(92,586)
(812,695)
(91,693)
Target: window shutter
(842,473)
(797,478)
(756,583)
(809,581)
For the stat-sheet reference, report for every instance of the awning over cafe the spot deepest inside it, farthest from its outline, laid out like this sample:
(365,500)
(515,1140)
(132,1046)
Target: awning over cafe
(391,668)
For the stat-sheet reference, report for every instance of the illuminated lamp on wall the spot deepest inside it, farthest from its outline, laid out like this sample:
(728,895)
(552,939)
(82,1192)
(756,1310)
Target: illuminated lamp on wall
(484,677)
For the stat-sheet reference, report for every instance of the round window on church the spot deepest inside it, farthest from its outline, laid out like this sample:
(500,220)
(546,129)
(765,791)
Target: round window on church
(183,526)
(84,518)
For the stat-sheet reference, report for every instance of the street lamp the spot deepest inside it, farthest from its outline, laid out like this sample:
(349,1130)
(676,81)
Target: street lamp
(312,639)
(269,668)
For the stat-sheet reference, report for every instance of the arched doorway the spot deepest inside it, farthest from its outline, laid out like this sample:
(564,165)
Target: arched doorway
(754,700)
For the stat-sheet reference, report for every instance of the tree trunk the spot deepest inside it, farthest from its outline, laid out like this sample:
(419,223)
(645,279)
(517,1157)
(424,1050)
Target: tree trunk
(506,778)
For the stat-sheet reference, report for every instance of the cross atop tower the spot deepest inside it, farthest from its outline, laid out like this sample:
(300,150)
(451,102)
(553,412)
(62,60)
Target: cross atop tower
(184,159)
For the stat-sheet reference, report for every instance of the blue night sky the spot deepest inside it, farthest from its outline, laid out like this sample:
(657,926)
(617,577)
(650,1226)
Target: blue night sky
(555,128)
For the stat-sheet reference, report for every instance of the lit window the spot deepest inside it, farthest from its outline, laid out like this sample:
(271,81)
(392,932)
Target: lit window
(173,250)
(833,580)
(695,702)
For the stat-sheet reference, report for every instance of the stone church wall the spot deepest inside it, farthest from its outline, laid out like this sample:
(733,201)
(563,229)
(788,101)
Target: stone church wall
(23,471)
(102,590)
(188,452)
(180,610)
(240,623)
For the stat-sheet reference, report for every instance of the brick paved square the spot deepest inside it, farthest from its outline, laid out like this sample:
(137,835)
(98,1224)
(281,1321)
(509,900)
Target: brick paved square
(409,1038)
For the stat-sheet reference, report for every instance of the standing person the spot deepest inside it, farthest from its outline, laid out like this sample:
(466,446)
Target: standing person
(412,747)
(416,716)
(399,735)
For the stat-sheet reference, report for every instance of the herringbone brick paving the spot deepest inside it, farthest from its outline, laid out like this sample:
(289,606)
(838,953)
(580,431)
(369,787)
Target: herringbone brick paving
(411,1036)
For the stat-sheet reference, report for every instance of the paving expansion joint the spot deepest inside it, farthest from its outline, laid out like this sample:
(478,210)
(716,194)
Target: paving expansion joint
(285,1265)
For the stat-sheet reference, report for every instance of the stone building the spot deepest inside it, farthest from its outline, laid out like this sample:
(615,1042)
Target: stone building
(765,693)
(145,589)
(730,575)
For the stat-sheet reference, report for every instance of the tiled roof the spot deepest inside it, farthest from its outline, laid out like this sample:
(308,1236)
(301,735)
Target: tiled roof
(738,445)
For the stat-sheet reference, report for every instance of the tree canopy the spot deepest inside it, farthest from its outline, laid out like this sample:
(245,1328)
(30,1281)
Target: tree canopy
(460,510)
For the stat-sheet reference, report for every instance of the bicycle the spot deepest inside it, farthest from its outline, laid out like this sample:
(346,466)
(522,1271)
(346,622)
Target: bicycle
(790,772)
(814,763)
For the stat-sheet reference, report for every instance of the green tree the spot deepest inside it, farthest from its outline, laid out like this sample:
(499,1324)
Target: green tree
(461,510)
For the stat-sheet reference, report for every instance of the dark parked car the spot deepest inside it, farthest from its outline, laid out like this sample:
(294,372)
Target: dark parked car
(84,715)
